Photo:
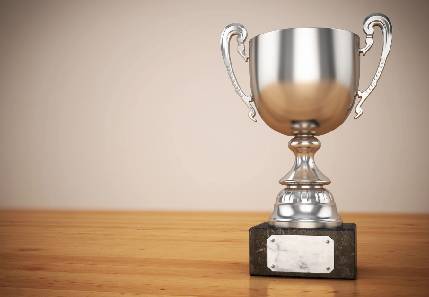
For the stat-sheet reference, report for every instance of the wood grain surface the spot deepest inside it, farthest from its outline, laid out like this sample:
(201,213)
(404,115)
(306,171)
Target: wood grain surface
(190,254)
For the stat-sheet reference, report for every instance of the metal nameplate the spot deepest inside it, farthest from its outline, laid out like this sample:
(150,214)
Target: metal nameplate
(300,253)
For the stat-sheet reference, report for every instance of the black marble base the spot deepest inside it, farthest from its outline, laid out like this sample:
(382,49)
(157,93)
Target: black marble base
(345,256)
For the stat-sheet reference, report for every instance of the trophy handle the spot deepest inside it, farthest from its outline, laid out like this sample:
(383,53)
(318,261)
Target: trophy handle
(225,39)
(384,23)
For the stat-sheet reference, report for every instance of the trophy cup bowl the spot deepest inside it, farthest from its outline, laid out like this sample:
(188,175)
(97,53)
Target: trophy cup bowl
(304,82)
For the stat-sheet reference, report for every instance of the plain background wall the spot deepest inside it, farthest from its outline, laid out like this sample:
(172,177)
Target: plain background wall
(127,105)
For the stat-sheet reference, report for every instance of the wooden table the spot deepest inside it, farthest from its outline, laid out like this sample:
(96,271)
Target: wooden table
(190,254)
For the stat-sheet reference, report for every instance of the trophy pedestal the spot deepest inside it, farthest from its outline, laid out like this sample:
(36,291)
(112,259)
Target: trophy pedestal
(303,252)
(305,236)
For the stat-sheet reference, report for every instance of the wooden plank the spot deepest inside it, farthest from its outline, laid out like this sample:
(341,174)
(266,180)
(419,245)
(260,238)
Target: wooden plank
(46,253)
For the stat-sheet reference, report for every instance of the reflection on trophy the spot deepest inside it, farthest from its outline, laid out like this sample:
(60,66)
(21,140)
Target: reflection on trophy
(304,82)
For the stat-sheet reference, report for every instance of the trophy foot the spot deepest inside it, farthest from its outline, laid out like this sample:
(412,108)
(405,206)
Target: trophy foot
(304,203)
(305,208)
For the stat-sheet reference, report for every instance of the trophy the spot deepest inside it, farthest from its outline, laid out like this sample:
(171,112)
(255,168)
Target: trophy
(304,82)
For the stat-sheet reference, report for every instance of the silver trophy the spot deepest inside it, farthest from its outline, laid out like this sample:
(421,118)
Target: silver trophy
(304,82)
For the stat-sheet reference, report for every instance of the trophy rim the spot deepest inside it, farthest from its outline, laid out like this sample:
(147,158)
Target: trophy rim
(298,28)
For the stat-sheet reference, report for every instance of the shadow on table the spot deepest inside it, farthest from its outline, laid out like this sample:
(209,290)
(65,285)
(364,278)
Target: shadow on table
(260,286)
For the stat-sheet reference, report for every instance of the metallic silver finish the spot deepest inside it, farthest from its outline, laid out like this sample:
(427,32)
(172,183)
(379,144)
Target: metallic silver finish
(304,80)
(225,39)
(305,208)
(304,203)
(384,23)
(304,171)
(304,83)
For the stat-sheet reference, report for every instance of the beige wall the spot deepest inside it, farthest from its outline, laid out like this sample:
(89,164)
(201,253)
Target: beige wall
(127,105)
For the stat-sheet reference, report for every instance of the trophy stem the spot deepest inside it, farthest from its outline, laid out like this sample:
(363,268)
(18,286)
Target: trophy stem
(304,202)
(304,171)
